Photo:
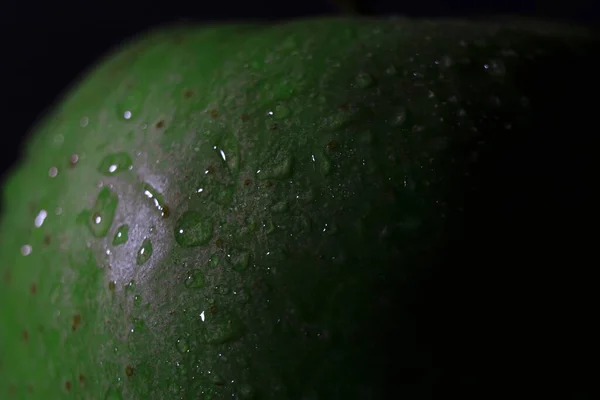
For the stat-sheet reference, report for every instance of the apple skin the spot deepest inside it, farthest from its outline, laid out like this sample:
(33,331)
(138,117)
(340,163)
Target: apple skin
(256,210)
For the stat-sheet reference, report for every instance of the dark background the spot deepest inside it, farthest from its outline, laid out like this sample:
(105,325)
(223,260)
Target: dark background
(45,45)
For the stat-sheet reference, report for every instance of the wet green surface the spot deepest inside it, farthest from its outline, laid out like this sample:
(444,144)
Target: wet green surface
(250,211)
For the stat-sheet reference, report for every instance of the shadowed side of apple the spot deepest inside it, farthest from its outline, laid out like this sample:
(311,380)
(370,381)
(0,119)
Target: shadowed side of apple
(305,210)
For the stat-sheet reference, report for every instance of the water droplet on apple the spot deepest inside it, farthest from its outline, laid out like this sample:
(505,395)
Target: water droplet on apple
(221,327)
(214,260)
(100,217)
(446,62)
(343,116)
(495,67)
(182,345)
(121,236)
(157,199)
(26,249)
(239,259)
(330,228)
(138,324)
(223,290)
(115,163)
(40,218)
(194,279)
(399,117)
(280,207)
(268,227)
(242,296)
(364,80)
(281,111)
(182,369)
(278,167)
(144,252)
(130,287)
(193,229)
(224,195)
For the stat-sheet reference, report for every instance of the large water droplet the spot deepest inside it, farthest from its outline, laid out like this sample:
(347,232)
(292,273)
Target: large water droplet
(114,163)
(268,227)
(222,290)
(157,199)
(193,229)
(330,228)
(121,236)
(281,111)
(391,70)
(399,116)
(217,379)
(53,172)
(277,167)
(495,67)
(182,345)
(214,260)
(239,259)
(222,327)
(223,195)
(446,62)
(280,207)
(130,287)
(251,224)
(242,296)
(26,249)
(39,219)
(182,369)
(194,279)
(364,80)
(100,217)
(138,324)
(343,116)
(144,252)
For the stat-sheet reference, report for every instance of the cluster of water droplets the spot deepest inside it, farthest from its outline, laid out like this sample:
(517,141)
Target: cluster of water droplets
(196,228)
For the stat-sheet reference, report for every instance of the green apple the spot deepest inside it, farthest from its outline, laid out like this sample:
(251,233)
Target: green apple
(249,211)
